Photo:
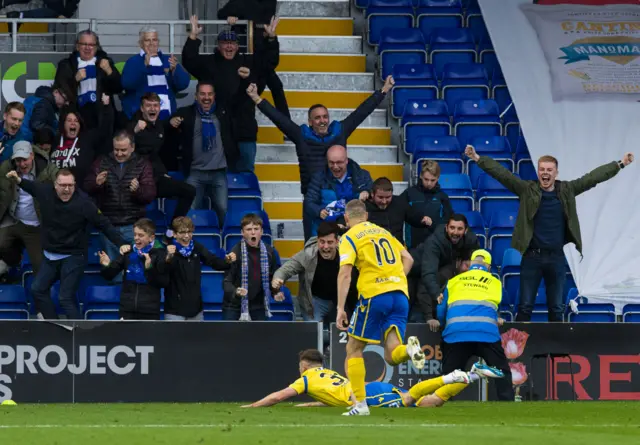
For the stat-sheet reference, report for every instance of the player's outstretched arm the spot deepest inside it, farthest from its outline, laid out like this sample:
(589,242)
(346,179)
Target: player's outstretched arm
(311,405)
(274,398)
(407,261)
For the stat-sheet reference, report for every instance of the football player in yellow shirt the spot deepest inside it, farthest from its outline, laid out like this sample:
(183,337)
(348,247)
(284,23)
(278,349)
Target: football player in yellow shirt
(383,307)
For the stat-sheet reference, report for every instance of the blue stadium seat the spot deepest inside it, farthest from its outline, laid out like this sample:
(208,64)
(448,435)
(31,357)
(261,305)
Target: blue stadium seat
(487,57)
(511,125)
(471,6)
(405,46)
(510,270)
(424,118)
(212,294)
(493,196)
(239,205)
(361,4)
(91,278)
(475,23)
(478,226)
(283,310)
(416,81)
(460,192)
(451,45)
(594,313)
(178,176)
(464,81)
(93,259)
(382,14)
(496,147)
(524,165)
(101,303)
(158,218)
(631,313)
(474,118)
(231,232)
(444,149)
(243,184)
(432,14)
(501,227)
(506,306)
(13,303)
(207,228)
(500,92)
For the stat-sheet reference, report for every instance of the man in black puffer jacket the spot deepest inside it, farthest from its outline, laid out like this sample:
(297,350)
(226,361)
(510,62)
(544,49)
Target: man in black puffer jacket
(428,205)
(46,110)
(122,183)
(314,140)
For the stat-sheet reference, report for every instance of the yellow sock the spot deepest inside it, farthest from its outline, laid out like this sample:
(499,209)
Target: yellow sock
(356,373)
(399,355)
(451,390)
(426,387)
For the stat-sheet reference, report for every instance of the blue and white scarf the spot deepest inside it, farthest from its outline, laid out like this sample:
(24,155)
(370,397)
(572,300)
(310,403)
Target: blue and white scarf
(135,271)
(208,127)
(157,83)
(185,251)
(266,283)
(88,87)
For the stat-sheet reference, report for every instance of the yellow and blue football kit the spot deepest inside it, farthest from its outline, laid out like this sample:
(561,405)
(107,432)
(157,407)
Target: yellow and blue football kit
(324,385)
(382,283)
(386,395)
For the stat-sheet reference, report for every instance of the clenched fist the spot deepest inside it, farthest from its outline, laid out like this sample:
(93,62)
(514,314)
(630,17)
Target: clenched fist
(101,178)
(81,75)
(244,72)
(106,67)
(140,126)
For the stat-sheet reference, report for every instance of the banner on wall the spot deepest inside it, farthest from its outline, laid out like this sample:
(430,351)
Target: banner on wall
(592,47)
(22,73)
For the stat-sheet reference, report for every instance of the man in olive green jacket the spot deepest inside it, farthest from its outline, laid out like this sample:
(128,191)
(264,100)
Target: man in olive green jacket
(547,220)
(19,212)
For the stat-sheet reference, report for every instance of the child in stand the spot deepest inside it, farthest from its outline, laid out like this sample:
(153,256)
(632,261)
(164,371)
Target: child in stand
(183,268)
(247,284)
(142,282)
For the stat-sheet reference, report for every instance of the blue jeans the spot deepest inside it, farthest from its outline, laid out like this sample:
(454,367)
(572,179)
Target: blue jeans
(212,184)
(69,271)
(322,311)
(114,251)
(538,264)
(247,160)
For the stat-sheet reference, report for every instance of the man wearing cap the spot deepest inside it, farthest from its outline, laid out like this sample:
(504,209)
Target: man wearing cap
(231,73)
(471,322)
(19,213)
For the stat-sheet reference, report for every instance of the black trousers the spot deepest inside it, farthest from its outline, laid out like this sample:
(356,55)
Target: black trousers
(179,190)
(456,355)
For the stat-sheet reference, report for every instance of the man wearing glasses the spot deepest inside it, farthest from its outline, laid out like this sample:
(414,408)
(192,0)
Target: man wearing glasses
(66,216)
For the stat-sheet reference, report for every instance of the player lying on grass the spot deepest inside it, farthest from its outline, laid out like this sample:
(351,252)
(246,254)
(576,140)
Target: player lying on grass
(329,388)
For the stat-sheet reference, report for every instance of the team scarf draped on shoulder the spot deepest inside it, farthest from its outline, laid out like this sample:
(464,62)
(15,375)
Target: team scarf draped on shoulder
(157,83)
(266,283)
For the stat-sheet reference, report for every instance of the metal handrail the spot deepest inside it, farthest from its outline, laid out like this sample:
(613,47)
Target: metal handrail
(94,24)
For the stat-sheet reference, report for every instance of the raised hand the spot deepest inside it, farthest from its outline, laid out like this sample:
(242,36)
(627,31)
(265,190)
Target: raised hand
(230,258)
(81,75)
(426,221)
(244,72)
(140,126)
(147,59)
(171,251)
(101,178)
(173,62)
(279,297)
(106,67)
(388,84)
(196,29)
(232,20)
(471,153)
(627,159)
(104,258)
(147,260)
(364,196)
(240,292)
(176,121)
(13,175)
(277,283)
(252,92)
(270,29)
(124,249)
(135,185)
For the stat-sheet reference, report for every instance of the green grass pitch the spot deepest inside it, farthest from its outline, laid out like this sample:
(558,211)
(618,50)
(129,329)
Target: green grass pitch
(565,423)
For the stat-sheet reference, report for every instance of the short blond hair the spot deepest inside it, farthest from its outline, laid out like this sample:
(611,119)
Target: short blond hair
(430,166)
(183,224)
(355,209)
(548,158)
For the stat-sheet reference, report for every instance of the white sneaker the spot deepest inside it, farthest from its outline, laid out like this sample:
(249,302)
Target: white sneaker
(415,352)
(360,409)
(458,376)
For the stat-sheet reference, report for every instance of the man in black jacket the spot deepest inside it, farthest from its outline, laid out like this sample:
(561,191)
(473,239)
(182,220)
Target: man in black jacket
(46,110)
(231,74)
(150,140)
(89,72)
(312,141)
(66,216)
(388,211)
(204,143)
(446,253)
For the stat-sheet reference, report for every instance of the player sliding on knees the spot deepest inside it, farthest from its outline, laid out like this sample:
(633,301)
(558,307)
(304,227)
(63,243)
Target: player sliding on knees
(329,388)
(383,308)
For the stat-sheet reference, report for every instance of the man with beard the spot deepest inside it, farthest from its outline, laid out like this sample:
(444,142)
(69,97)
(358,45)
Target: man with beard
(547,220)
(66,217)
(150,140)
(205,143)
(11,129)
(445,254)
(90,73)
(231,74)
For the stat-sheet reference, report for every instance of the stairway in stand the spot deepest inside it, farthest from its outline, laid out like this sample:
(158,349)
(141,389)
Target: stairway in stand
(321,61)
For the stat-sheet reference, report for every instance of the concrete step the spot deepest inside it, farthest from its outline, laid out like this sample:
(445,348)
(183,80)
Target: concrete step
(290,171)
(320,44)
(290,190)
(361,136)
(300,116)
(315,26)
(327,81)
(287,228)
(288,247)
(313,8)
(330,99)
(323,63)
(362,154)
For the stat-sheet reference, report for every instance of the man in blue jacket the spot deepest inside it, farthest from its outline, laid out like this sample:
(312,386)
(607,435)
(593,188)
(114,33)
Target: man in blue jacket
(472,323)
(330,189)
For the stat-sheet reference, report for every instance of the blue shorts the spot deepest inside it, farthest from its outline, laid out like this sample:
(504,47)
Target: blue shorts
(384,395)
(374,317)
